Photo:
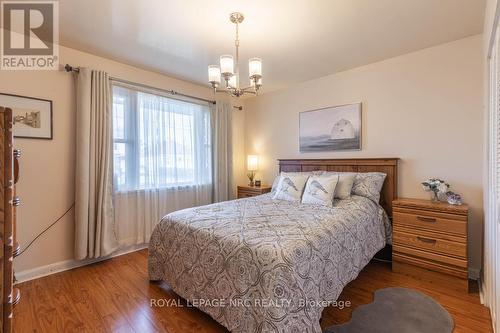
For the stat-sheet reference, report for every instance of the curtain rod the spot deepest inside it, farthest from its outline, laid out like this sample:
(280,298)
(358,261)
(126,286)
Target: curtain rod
(70,68)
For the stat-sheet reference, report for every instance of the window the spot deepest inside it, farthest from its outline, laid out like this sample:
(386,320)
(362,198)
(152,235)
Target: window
(159,142)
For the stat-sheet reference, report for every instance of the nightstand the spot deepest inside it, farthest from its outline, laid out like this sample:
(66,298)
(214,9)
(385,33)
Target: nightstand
(430,240)
(245,191)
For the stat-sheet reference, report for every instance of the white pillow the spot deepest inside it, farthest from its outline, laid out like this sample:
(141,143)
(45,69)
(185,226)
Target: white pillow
(290,186)
(276,181)
(344,186)
(277,178)
(320,190)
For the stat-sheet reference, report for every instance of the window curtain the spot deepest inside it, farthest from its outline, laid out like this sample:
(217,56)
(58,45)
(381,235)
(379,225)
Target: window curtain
(95,232)
(221,118)
(162,159)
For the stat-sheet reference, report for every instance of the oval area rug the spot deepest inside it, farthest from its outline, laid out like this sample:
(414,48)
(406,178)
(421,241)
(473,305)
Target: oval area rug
(398,310)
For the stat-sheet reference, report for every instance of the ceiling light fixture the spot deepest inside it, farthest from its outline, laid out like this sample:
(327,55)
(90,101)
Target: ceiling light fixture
(229,70)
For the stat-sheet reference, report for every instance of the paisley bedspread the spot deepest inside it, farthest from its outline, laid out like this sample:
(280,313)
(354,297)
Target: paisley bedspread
(264,265)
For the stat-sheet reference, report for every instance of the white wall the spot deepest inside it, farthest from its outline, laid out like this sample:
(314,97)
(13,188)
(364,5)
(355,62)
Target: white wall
(425,107)
(46,185)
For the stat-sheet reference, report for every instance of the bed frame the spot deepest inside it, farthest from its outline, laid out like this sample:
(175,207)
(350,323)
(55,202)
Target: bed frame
(388,166)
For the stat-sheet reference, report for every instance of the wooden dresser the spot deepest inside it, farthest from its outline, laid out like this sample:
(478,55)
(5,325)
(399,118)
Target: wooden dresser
(245,191)
(430,240)
(9,173)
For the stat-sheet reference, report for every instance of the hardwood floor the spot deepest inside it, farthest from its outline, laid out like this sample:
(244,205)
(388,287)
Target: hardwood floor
(115,296)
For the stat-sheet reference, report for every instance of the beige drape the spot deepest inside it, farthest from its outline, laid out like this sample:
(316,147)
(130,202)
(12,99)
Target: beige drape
(95,232)
(222,151)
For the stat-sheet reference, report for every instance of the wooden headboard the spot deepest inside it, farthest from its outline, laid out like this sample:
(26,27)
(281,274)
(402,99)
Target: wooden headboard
(388,166)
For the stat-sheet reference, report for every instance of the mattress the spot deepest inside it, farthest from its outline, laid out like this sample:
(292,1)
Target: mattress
(264,265)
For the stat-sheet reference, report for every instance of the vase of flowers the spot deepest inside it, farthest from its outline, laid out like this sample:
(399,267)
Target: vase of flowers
(437,187)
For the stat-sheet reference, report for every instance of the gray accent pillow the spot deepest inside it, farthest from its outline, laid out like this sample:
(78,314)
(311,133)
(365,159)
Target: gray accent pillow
(320,190)
(344,185)
(369,185)
(290,187)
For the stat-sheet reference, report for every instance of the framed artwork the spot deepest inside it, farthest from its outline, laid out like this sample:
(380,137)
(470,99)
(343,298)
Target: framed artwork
(32,116)
(330,129)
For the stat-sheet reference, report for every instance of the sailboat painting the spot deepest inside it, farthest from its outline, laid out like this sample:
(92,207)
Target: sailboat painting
(330,129)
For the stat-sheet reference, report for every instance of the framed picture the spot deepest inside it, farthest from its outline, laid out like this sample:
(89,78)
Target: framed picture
(32,116)
(330,129)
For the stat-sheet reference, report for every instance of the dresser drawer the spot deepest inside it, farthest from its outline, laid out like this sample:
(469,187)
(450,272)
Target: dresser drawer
(420,268)
(430,256)
(242,194)
(251,191)
(428,242)
(430,220)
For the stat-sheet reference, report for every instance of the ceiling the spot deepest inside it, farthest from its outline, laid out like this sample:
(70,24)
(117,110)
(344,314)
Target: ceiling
(298,40)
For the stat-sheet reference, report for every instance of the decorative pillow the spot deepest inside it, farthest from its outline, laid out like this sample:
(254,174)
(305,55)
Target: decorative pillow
(369,184)
(274,187)
(290,186)
(276,181)
(344,185)
(320,190)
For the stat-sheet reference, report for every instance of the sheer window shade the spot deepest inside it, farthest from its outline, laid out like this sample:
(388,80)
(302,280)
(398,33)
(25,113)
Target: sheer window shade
(159,142)
(162,160)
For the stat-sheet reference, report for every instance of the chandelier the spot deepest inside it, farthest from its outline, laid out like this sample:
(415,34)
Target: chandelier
(229,70)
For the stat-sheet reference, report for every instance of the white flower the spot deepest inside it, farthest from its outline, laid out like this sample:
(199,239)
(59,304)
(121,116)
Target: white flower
(443,188)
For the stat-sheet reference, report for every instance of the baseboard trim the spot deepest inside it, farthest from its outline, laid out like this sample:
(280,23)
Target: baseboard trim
(61,266)
(474,273)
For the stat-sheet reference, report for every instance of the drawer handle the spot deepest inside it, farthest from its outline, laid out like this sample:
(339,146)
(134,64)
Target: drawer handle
(16,201)
(426,219)
(426,240)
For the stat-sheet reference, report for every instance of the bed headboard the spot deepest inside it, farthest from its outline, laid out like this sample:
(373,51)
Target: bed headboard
(388,166)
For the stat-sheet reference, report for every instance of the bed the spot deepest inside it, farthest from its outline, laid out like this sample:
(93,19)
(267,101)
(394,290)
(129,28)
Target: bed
(264,265)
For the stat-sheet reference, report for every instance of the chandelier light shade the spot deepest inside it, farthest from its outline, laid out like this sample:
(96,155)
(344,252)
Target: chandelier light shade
(229,68)
(255,67)
(214,74)
(226,65)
